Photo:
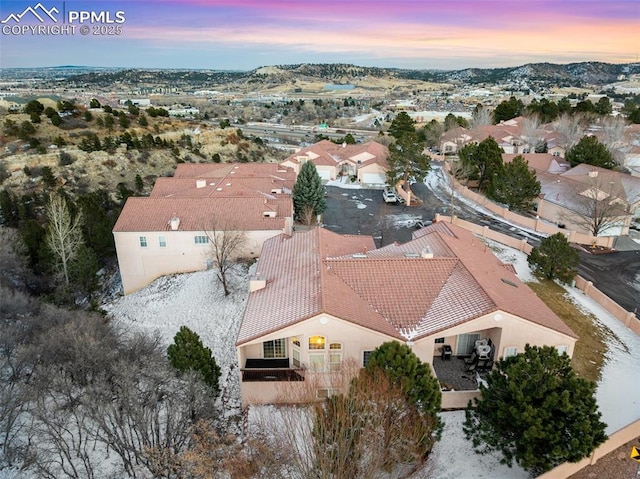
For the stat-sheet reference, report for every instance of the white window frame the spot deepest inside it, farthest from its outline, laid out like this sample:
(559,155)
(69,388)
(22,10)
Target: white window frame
(335,356)
(509,351)
(278,349)
(201,239)
(162,241)
(143,241)
(318,362)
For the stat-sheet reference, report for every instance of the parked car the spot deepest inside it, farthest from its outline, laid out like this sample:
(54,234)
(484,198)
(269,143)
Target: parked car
(389,196)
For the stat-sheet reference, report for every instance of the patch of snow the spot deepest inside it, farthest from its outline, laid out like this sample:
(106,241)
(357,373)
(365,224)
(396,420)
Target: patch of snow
(618,393)
(453,456)
(404,220)
(344,182)
(360,205)
(513,257)
(195,300)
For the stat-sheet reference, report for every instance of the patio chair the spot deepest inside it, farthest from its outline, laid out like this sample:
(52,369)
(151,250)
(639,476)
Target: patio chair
(472,359)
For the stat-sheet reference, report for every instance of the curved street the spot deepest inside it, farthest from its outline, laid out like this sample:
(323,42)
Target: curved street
(363,211)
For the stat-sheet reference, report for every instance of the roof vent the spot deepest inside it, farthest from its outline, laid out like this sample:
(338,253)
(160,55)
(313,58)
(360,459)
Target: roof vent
(201,183)
(359,255)
(411,255)
(257,283)
(593,174)
(174,223)
(426,253)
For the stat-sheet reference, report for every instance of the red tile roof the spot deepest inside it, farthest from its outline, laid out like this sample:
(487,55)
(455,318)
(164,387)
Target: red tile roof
(206,194)
(393,290)
(326,152)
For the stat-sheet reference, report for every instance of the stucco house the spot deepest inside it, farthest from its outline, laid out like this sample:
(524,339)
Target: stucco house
(366,161)
(170,231)
(586,195)
(510,135)
(320,301)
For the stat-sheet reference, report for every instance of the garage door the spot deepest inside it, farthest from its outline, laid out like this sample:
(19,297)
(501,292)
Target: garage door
(324,175)
(374,179)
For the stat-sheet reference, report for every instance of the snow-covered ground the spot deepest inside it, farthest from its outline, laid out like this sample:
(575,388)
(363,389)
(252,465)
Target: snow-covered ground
(196,300)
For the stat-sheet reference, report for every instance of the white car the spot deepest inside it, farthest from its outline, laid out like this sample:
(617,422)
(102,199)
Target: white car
(389,196)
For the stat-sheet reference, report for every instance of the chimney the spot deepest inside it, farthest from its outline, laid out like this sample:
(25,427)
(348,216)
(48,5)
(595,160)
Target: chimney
(174,223)
(256,283)
(344,144)
(426,253)
(593,174)
(201,183)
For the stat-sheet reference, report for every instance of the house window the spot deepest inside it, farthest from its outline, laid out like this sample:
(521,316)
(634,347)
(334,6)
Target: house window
(274,349)
(162,241)
(439,341)
(202,239)
(143,241)
(316,342)
(295,352)
(317,362)
(562,349)
(366,355)
(335,356)
(508,352)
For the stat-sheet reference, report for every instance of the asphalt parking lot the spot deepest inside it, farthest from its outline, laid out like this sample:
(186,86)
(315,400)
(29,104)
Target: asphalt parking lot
(363,211)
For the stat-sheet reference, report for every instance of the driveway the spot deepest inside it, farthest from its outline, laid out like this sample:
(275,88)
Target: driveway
(362,211)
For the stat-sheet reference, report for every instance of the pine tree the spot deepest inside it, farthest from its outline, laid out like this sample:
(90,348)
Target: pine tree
(402,125)
(515,185)
(402,366)
(188,353)
(555,258)
(308,194)
(590,151)
(536,411)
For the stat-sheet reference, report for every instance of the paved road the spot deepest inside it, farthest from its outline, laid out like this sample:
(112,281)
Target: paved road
(360,211)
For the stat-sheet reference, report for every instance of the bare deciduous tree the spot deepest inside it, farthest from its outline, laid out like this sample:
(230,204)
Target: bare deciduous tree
(531,132)
(482,116)
(570,127)
(226,245)
(613,136)
(64,234)
(367,431)
(599,207)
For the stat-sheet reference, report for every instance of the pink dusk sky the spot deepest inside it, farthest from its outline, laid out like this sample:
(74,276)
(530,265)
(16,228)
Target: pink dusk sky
(225,34)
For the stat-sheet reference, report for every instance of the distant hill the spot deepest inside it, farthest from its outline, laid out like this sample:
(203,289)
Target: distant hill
(572,74)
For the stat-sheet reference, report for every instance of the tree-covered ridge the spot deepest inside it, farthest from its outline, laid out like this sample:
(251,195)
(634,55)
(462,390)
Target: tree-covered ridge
(572,74)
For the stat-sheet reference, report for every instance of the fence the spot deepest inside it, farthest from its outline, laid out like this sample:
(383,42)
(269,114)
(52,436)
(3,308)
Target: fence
(617,439)
(534,224)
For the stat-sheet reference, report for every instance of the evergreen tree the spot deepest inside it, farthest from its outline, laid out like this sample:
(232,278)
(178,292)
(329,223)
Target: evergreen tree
(603,106)
(308,194)
(590,151)
(188,353)
(555,258)
(406,159)
(508,110)
(401,125)
(403,367)
(536,411)
(515,185)
(482,161)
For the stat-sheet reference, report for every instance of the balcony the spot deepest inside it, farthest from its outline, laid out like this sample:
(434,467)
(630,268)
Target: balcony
(262,370)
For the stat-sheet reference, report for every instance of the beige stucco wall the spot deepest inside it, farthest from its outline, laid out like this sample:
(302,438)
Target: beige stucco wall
(508,331)
(560,215)
(372,168)
(140,266)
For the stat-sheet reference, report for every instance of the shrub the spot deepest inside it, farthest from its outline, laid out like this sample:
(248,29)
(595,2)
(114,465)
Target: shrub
(188,353)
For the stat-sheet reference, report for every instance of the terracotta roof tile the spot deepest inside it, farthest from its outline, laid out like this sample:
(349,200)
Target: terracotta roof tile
(197,214)
(392,290)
